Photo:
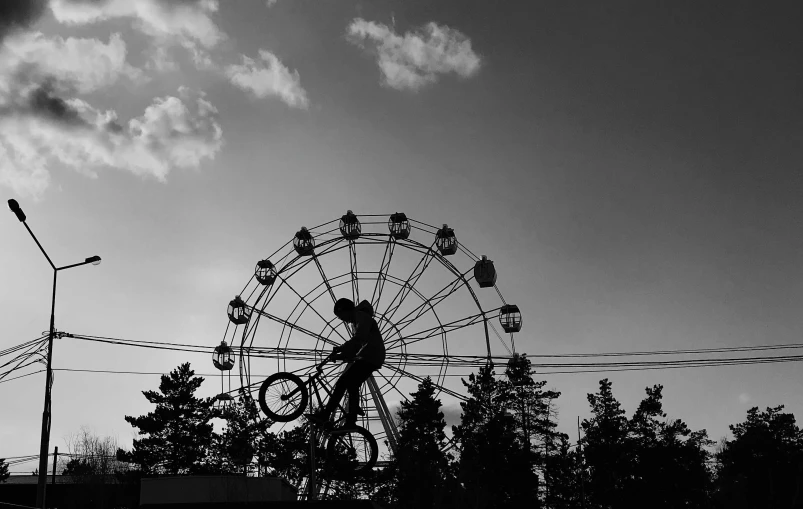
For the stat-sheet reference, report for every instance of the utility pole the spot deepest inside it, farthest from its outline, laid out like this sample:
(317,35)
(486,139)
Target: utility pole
(55,460)
(44,444)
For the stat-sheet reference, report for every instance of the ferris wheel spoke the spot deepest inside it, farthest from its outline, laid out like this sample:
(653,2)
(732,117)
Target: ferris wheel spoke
(429,304)
(404,398)
(355,283)
(268,293)
(420,379)
(384,268)
(293,326)
(443,328)
(325,279)
(409,284)
(331,291)
(310,306)
(299,262)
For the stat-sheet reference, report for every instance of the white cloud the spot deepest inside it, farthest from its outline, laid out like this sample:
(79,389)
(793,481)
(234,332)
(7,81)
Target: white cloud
(268,77)
(157,18)
(270,3)
(161,60)
(173,132)
(184,22)
(83,64)
(22,169)
(417,58)
(188,24)
(744,398)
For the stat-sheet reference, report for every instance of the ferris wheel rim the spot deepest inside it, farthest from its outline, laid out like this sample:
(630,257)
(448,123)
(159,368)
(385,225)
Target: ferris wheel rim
(288,260)
(328,246)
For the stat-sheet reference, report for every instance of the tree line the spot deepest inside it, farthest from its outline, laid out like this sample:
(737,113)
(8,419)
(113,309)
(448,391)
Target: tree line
(505,453)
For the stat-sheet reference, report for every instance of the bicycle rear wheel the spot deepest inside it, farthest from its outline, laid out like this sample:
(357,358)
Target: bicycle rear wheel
(351,452)
(283,397)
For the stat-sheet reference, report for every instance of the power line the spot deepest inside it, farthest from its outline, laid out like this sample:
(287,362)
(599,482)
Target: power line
(690,351)
(737,362)
(130,372)
(16,348)
(457,361)
(22,376)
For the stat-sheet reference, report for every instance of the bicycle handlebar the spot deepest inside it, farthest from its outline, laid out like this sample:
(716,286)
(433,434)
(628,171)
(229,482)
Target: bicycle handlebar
(328,359)
(319,367)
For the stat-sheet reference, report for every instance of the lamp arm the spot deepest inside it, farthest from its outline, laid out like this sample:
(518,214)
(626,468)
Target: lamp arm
(40,246)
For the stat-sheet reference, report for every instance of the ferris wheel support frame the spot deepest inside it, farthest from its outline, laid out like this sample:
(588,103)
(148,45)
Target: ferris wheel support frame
(391,431)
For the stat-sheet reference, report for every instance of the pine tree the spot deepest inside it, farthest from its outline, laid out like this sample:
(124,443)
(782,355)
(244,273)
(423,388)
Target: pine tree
(420,472)
(286,454)
(562,474)
(535,415)
(177,435)
(669,460)
(495,468)
(608,456)
(234,449)
(763,465)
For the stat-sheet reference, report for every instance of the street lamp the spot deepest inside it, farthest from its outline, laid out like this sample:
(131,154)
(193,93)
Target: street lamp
(45,440)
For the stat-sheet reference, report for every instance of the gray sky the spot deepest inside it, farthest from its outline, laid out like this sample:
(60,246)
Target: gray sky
(633,171)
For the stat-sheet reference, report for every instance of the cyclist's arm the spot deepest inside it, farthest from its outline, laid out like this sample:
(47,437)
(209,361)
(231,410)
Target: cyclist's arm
(353,345)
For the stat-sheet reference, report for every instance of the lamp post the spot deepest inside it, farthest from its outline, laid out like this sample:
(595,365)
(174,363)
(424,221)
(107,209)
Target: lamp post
(45,440)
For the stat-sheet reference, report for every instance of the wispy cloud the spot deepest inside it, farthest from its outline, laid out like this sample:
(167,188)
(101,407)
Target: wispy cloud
(744,398)
(187,23)
(173,132)
(84,64)
(416,58)
(165,19)
(268,77)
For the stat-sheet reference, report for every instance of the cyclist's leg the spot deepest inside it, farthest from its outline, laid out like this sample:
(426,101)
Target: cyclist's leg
(361,374)
(341,386)
(337,394)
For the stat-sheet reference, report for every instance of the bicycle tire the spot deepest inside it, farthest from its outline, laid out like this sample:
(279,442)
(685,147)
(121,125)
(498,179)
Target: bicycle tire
(340,446)
(290,410)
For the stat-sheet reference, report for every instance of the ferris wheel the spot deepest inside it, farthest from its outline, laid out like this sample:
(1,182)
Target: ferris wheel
(435,302)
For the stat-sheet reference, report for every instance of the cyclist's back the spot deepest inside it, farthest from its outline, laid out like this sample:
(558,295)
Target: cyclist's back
(367,344)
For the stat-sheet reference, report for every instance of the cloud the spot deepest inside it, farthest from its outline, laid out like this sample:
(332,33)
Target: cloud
(161,60)
(82,64)
(184,22)
(186,19)
(188,24)
(17,14)
(452,414)
(270,3)
(744,398)
(268,77)
(417,58)
(173,132)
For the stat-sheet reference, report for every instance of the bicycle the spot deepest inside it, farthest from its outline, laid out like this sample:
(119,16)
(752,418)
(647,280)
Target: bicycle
(283,397)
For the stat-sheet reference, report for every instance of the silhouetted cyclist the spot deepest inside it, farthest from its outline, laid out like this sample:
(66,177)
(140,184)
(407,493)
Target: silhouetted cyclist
(367,351)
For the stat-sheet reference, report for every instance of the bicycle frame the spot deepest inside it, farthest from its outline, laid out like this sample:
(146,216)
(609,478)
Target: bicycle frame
(314,386)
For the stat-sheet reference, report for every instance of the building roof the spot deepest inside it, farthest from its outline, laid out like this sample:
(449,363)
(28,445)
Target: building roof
(60,479)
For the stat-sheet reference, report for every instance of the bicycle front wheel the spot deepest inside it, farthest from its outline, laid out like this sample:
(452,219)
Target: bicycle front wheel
(283,397)
(351,452)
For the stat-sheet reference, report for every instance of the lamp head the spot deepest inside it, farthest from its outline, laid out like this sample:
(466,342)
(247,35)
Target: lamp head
(15,208)
(94,260)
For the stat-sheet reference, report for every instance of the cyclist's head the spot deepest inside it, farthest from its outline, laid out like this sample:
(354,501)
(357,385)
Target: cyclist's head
(344,309)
